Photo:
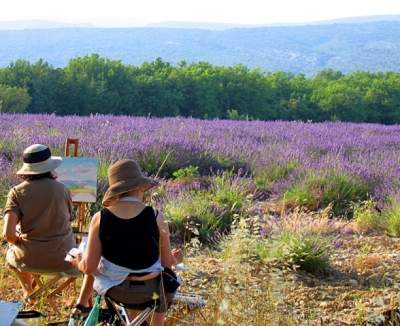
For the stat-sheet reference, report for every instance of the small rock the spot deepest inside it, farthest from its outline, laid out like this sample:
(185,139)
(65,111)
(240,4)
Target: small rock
(324,304)
(353,282)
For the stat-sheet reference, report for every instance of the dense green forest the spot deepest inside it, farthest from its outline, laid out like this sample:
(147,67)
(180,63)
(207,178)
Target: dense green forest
(93,84)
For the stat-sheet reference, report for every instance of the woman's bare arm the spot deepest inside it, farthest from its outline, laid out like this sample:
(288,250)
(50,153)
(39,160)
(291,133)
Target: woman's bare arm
(91,258)
(10,227)
(167,259)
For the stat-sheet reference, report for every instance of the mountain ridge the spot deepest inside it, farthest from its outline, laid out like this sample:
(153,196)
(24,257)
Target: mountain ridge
(373,46)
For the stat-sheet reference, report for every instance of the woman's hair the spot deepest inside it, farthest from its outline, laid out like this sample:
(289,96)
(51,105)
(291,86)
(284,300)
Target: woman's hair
(31,177)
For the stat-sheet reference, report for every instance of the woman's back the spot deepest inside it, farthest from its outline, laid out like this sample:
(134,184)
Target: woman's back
(130,242)
(44,209)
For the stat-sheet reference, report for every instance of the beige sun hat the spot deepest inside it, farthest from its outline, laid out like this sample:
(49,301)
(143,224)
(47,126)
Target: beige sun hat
(37,160)
(123,176)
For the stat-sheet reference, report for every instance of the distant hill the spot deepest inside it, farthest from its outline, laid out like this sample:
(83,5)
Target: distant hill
(373,46)
(361,19)
(224,26)
(199,25)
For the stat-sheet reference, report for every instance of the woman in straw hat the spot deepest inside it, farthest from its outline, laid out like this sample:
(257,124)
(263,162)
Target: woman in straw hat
(37,218)
(129,250)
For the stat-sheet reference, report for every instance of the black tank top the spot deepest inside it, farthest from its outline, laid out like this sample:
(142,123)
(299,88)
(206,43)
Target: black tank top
(132,243)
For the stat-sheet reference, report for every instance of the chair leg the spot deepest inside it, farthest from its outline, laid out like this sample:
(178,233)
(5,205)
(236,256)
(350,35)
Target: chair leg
(62,286)
(38,280)
(141,318)
(44,287)
(26,288)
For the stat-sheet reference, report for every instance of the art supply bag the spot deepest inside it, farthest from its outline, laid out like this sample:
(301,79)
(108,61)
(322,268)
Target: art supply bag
(170,280)
(93,317)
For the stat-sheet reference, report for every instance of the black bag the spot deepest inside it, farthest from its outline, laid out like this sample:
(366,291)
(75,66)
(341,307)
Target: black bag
(169,280)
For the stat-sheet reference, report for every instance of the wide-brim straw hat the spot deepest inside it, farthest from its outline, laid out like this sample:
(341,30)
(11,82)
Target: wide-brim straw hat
(37,159)
(124,176)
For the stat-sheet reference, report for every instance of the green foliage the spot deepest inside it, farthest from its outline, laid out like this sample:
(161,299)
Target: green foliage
(13,99)
(204,213)
(319,191)
(187,172)
(194,215)
(309,252)
(93,84)
(367,217)
(264,177)
(391,216)
(229,192)
(235,115)
(102,171)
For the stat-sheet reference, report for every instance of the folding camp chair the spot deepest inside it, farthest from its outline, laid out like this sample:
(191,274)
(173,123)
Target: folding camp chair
(48,283)
(118,314)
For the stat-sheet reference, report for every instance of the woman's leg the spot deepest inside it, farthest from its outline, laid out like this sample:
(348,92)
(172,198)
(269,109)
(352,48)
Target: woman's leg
(25,278)
(27,281)
(158,319)
(85,295)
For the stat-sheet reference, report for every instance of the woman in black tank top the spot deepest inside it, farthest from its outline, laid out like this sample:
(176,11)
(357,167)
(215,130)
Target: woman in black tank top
(132,243)
(128,238)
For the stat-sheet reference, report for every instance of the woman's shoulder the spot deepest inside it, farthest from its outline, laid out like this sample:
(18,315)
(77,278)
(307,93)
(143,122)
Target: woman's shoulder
(153,211)
(19,187)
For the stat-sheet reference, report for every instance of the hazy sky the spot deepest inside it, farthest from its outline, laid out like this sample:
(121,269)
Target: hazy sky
(133,12)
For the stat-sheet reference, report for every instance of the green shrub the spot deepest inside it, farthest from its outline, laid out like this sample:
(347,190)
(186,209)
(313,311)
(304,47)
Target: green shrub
(318,191)
(191,215)
(309,252)
(187,172)
(203,213)
(266,176)
(367,218)
(229,192)
(235,115)
(391,218)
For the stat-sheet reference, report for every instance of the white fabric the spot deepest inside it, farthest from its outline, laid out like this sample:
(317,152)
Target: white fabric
(109,274)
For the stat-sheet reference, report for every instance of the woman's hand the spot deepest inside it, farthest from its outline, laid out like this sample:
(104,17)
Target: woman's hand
(178,255)
(76,260)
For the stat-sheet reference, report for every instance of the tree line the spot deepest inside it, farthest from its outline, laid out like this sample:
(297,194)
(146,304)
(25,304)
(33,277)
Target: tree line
(94,84)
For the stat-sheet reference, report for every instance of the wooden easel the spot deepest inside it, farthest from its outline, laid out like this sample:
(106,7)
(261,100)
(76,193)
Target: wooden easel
(82,209)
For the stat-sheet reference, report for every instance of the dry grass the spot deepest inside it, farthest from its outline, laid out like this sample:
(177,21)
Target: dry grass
(364,263)
(243,289)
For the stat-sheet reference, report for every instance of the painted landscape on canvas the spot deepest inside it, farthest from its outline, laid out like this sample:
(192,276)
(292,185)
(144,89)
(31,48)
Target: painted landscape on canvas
(79,175)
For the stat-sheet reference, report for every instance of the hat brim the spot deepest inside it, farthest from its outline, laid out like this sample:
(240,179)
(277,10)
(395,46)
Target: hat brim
(41,167)
(128,185)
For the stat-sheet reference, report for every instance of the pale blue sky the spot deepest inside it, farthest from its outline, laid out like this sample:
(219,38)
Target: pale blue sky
(136,12)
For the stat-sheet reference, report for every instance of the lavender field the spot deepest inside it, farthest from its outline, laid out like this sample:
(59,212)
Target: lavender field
(283,153)
(303,217)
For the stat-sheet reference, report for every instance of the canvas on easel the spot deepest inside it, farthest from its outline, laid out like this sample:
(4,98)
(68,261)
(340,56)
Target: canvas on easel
(79,175)
(82,215)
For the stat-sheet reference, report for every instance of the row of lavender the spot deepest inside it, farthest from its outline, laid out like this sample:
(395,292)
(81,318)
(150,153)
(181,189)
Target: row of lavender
(367,151)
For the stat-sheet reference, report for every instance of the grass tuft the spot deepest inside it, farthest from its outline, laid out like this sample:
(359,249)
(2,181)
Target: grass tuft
(367,218)
(265,177)
(203,213)
(391,217)
(318,191)
(309,252)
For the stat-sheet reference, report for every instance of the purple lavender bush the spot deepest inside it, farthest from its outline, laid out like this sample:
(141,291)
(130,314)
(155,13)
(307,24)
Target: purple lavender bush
(279,155)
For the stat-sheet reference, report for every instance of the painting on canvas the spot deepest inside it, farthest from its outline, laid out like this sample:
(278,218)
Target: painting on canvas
(79,174)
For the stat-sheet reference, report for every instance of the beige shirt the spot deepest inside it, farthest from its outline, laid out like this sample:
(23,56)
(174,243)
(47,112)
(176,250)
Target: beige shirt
(44,208)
